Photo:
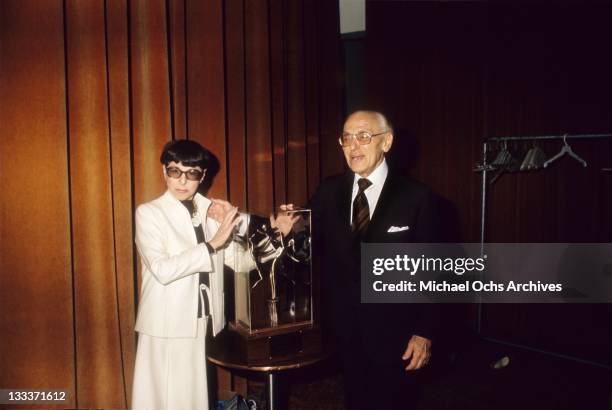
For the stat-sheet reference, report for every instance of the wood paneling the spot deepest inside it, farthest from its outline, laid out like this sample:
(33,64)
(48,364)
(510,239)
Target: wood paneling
(257,95)
(90,91)
(330,81)
(36,305)
(235,102)
(205,76)
(278,89)
(150,95)
(311,96)
(177,68)
(296,122)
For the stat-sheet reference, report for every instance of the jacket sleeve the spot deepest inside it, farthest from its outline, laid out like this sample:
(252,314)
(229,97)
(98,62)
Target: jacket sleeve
(166,268)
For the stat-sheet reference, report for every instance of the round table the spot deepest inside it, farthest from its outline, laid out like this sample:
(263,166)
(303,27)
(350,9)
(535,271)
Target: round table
(225,358)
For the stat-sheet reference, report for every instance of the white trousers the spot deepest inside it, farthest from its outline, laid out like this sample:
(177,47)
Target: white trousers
(170,373)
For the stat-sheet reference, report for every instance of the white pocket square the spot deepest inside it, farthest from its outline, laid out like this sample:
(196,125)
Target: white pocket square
(398,229)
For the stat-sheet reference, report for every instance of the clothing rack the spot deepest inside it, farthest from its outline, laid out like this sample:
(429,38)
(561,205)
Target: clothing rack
(547,137)
(485,167)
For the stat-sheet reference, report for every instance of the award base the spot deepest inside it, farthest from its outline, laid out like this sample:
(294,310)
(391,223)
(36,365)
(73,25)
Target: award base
(270,346)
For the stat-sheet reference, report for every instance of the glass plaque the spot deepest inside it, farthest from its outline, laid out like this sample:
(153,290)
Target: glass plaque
(275,291)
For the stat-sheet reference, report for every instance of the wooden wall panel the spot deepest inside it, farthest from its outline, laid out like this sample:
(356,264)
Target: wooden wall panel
(297,185)
(235,102)
(311,96)
(98,349)
(330,87)
(278,89)
(257,94)
(36,319)
(205,77)
(178,66)
(150,95)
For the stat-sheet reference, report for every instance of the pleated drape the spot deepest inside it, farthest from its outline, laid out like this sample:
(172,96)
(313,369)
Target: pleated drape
(90,91)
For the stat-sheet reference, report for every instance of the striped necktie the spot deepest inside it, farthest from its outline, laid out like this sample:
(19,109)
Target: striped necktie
(361,210)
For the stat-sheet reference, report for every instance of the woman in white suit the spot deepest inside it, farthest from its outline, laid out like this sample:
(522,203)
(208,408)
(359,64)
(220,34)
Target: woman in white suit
(182,250)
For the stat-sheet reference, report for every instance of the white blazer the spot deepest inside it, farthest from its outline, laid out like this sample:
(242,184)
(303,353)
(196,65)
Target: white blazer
(171,260)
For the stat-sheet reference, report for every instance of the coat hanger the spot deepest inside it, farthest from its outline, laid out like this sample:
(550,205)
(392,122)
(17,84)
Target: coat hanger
(502,157)
(565,149)
(512,164)
(527,160)
(504,162)
(500,161)
(534,159)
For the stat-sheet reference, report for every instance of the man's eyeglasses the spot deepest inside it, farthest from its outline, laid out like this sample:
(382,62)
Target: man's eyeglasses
(362,138)
(190,174)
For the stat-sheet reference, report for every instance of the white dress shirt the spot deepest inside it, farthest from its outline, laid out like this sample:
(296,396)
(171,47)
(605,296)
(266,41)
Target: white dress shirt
(372,193)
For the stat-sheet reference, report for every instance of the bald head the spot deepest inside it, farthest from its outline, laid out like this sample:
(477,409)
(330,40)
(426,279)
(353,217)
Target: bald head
(372,117)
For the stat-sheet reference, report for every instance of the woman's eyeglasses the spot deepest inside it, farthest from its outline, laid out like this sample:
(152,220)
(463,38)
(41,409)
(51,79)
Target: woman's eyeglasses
(190,174)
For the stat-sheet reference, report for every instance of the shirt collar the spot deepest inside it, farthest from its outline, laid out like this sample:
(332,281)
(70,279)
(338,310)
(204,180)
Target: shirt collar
(377,177)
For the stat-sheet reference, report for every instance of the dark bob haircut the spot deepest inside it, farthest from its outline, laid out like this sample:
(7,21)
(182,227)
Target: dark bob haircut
(187,152)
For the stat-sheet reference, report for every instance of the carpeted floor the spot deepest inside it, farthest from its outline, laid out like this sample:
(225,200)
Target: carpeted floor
(529,381)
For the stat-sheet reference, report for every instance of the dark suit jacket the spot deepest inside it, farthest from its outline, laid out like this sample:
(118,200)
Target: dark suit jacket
(382,329)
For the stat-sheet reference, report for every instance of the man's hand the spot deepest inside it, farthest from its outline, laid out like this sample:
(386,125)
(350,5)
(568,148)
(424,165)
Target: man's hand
(218,209)
(418,351)
(284,221)
(286,207)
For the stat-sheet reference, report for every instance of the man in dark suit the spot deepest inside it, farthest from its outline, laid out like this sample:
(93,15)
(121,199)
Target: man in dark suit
(381,346)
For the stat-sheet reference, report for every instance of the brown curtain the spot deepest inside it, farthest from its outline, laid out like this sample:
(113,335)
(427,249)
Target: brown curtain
(90,91)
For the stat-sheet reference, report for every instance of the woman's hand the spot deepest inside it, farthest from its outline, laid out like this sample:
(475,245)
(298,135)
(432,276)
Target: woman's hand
(225,230)
(218,209)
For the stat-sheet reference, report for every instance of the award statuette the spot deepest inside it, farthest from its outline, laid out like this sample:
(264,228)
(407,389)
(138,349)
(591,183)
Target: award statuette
(273,301)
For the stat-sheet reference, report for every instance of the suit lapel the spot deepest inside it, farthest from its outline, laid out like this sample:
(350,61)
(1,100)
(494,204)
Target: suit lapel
(385,198)
(202,203)
(344,202)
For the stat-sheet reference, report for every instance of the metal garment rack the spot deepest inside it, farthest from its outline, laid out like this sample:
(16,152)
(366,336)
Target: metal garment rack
(484,168)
